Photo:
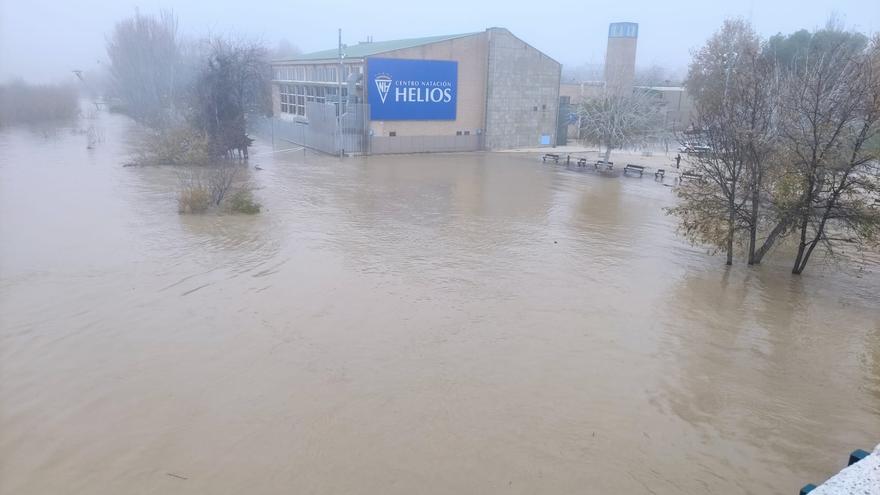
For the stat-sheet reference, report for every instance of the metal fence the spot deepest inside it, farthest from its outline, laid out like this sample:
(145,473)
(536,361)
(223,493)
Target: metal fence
(322,133)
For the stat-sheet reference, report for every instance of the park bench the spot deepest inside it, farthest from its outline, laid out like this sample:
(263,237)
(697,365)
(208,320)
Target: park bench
(689,175)
(603,164)
(581,162)
(550,156)
(633,168)
(659,173)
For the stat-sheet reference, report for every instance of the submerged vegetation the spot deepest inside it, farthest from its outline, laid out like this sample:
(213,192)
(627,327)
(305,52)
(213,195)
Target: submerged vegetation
(182,88)
(215,187)
(23,103)
(180,145)
(193,96)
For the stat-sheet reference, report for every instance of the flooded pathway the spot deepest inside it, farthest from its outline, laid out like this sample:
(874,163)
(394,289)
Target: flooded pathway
(464,323)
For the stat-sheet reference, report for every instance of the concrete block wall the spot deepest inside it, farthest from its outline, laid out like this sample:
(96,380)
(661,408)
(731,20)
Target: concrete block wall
(522,103)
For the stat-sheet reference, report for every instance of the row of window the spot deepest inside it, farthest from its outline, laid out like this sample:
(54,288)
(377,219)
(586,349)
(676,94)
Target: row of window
(316,73)
(295,96)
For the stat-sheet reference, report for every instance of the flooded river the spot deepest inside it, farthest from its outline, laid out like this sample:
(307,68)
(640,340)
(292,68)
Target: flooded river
(464,323)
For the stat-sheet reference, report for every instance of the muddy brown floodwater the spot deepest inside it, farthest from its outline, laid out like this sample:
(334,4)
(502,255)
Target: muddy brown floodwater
(465,323)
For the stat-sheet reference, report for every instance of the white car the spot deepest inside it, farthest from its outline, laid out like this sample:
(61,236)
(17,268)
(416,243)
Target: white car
(694,148)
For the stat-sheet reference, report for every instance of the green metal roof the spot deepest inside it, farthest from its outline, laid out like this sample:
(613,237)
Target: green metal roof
(362,50)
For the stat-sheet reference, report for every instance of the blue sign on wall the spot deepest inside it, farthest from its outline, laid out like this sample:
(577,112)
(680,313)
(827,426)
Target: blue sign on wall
(403,89)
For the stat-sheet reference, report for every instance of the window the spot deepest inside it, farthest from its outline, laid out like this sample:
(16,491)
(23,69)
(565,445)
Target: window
(291,100)
(300,101)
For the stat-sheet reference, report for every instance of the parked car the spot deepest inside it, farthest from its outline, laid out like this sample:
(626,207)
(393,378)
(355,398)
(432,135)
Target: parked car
(694,148)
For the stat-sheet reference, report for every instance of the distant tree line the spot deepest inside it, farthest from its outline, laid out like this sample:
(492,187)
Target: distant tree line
(792,128)
(23,103)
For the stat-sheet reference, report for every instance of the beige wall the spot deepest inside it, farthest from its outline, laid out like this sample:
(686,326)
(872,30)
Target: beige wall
(620,64)
(677,107)
(580,92)
(471,54)
(523,101)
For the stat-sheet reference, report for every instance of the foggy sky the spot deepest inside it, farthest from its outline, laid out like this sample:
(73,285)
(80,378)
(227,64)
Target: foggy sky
(43,41)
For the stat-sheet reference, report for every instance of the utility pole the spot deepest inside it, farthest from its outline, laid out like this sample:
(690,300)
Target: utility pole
(339,75)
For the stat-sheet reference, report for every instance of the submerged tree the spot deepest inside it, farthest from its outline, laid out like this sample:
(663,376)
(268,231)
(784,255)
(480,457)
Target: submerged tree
(615,121)
(790,142)
(233,82)
(830,117)
(733,90)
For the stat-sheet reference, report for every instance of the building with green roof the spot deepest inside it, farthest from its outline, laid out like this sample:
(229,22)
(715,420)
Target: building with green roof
(462,92)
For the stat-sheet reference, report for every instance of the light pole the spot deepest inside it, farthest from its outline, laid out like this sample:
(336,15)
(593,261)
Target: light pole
(339,96)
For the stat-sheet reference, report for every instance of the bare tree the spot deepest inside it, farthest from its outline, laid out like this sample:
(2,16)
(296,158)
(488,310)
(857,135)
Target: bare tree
(734,121)
(144,54)
(614,121)
(831,117)
(789,142)
(233,82)
(204,187)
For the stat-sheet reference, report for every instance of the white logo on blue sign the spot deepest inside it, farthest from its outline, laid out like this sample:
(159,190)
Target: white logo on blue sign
(383,84)
(407,89)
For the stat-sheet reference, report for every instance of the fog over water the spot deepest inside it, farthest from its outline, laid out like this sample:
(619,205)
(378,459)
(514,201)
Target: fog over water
(461,323)
(43,40)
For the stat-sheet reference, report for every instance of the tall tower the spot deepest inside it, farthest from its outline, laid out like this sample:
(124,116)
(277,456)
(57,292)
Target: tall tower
(620,57)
